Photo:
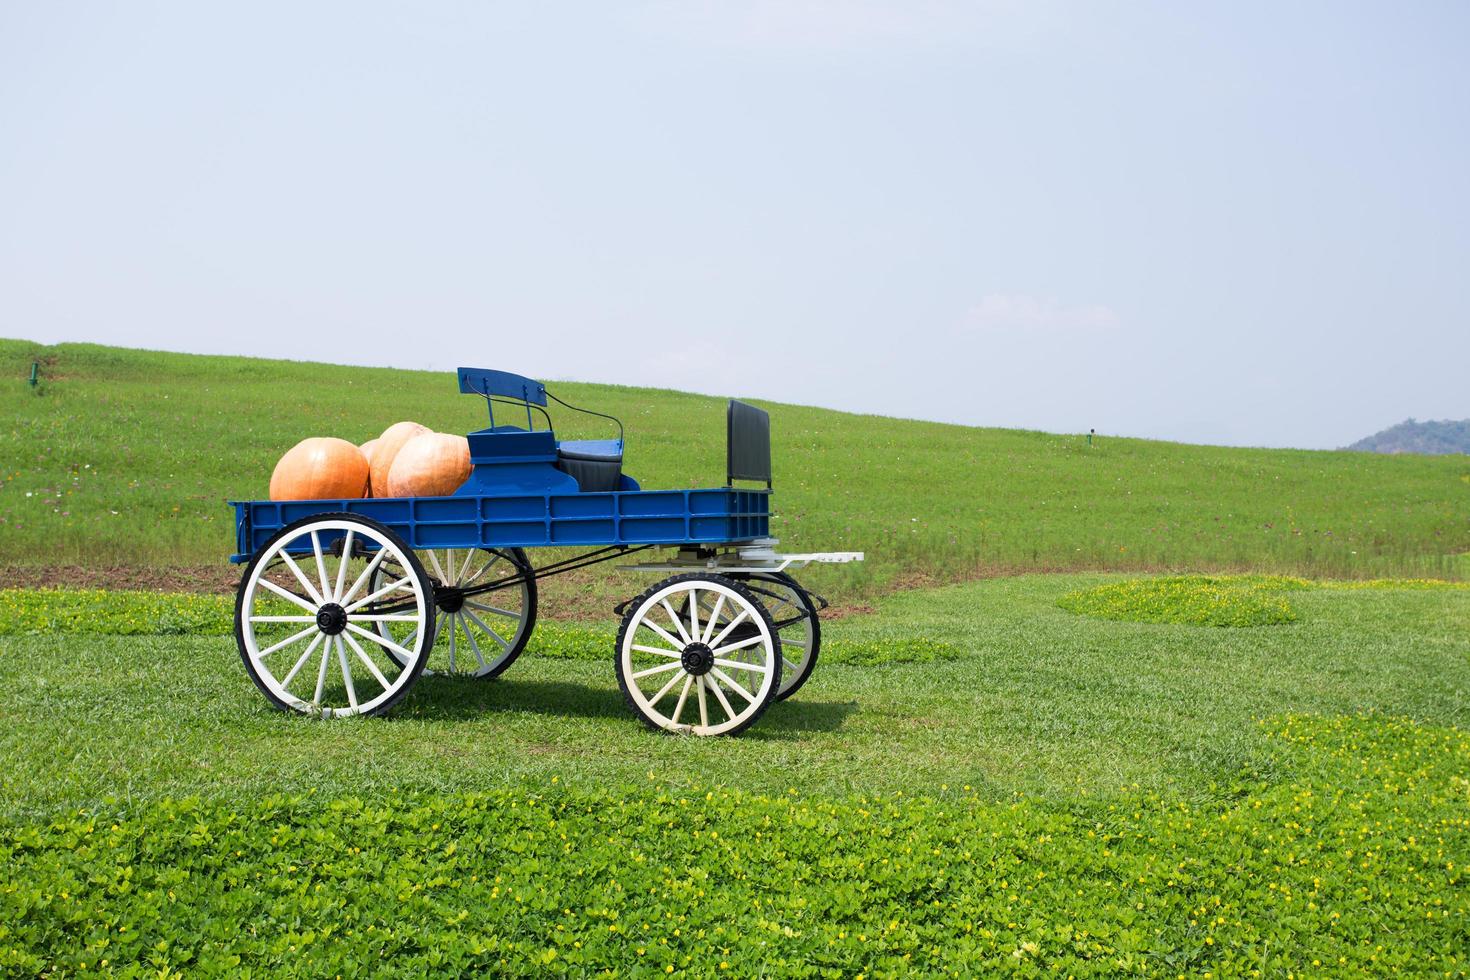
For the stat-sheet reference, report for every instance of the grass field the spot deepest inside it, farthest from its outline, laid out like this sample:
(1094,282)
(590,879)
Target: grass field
(128,456)
(1080,773)
(1057,792)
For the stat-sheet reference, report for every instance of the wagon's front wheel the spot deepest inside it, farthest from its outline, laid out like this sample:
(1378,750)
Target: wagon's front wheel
(308,611)
(682,669)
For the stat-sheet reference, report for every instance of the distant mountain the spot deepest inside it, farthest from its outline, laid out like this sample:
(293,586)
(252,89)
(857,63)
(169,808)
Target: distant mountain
(1425,438)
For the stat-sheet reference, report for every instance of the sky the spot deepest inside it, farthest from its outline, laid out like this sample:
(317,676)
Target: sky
(1243,223)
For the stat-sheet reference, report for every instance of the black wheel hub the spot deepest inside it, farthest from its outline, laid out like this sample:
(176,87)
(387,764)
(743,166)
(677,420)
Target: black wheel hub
(449,599)
(697,659)
(331,619)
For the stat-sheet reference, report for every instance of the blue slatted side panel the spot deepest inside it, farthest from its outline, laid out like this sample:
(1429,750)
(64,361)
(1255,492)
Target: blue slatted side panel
(664,517)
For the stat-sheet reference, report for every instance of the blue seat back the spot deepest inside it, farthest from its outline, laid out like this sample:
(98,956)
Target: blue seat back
(483,381)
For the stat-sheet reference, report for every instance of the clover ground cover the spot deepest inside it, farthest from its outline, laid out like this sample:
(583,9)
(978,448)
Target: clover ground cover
(1074,794)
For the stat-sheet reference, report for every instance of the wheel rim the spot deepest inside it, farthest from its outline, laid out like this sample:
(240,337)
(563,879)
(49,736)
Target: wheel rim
(664,649)
(477,636)
(308,621)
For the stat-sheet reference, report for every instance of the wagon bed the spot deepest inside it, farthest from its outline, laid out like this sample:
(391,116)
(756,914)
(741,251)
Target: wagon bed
(667,518)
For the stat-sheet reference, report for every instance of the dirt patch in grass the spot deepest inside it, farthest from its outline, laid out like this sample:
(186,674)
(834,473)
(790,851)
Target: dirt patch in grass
(220,579)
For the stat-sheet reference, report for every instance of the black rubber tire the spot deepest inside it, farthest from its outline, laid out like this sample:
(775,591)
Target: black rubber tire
(781,578)
(414,566)
(632,607)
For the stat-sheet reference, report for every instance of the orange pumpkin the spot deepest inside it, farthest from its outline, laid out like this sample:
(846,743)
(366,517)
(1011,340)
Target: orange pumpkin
(431,465)
(389,443)
(367,454)
(320,469)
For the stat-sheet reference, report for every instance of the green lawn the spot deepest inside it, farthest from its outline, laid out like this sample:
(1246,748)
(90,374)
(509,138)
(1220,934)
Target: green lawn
(1051,791)
(128,457)
(1022,697)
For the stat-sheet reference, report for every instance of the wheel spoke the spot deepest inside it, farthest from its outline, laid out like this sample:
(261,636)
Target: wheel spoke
(674,618)
(713,618)
(469,554)
(287,642)
(475,646)
(367,661)
(439,571)
(694,630)
(504,644)
(380,641)
(380,593)
(346,560)
(793,643)
(321,674)
(729,682)
(321,565)
(666,688)
(282,619)
(672,665)
(346,673)
(714,685)
(703,707)
(667,636)
(302,662)
(662,653)
(484,568)
(287,594)
(744,615)
(385,618)
(749,641)
(301,577)
(366,573)
(789,666)
(683,696)
(742,665)
(493,609)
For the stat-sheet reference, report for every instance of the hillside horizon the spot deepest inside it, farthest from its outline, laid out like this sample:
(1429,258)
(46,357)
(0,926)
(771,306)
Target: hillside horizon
(552,379)
(126,458)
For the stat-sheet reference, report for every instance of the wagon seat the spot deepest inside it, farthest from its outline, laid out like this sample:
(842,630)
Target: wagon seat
(596,464)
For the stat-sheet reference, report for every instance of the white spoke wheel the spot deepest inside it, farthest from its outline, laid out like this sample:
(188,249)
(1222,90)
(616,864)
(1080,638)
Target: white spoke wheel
(482,633)
(307,612)
(794,615)
(682,669)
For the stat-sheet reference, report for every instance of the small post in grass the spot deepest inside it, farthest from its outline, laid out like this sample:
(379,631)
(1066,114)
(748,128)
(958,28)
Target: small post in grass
(35,373)
(1090,434)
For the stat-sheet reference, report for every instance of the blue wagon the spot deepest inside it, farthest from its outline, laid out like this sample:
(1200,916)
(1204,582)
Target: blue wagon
(345,603)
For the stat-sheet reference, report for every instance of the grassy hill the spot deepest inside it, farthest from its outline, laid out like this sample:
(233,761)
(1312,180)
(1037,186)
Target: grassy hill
(1079,774)
(125,457)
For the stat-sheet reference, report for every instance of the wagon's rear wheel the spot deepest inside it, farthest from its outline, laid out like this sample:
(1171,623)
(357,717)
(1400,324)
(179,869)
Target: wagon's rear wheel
(682,670)
(308,610)
(482,633)
(794,614)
